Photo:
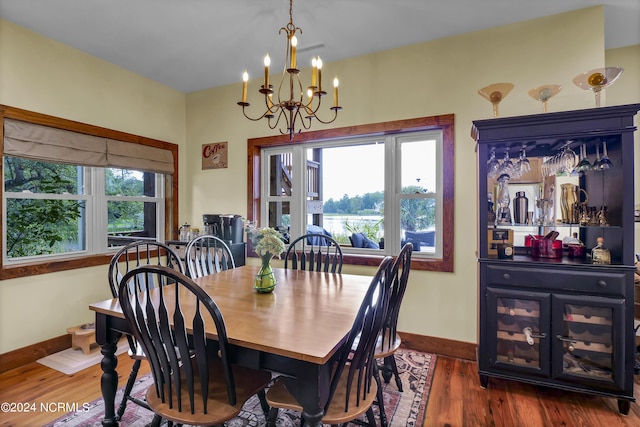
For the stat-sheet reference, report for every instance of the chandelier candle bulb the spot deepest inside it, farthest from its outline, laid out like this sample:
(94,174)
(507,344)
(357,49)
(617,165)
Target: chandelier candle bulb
(294,43)
(245,79)
(319,65)
(267,62)
(335,92)
(314,72)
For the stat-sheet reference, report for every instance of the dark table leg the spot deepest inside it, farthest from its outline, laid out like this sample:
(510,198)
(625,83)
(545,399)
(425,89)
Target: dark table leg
(108,339)
(311,390)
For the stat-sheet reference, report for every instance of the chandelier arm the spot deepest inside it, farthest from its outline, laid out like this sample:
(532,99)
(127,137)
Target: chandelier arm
(254,119)
(298,115)
(335,116)
(281,113)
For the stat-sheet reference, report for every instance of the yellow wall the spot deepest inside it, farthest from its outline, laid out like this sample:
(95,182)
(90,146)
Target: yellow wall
(45,76)
(432,78)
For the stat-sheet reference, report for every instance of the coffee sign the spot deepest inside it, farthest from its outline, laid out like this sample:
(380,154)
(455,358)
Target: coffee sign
(214,156)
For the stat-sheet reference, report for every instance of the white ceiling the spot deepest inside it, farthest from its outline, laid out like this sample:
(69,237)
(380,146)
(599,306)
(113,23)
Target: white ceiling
(197,44)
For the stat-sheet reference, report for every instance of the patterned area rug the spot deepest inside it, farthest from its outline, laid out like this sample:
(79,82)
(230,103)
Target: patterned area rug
(403,409)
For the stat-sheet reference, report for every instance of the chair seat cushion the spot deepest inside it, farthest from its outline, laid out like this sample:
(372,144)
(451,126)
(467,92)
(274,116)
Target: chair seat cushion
(359,240)
(247,381)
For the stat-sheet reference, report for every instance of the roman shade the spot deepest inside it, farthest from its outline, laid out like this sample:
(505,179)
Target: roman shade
(44,143)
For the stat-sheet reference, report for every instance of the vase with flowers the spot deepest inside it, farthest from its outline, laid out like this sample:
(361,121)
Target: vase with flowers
(267,243)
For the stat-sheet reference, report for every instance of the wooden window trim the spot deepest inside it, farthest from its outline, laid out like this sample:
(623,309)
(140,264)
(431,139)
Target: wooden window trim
(171,190)
(445,123)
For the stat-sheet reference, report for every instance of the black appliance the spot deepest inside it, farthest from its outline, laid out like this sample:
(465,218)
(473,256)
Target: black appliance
(227,227)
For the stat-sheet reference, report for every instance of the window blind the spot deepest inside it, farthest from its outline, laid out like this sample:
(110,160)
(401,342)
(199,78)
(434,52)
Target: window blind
(44,143)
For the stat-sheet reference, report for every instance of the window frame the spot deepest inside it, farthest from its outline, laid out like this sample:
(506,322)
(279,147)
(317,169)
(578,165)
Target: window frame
(75,261)
(444,123)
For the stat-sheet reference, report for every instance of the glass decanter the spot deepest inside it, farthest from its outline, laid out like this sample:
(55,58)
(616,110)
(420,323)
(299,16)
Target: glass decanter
(503,200)
(600,254)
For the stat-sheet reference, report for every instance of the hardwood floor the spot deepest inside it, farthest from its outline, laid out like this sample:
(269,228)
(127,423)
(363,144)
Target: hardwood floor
(456,398)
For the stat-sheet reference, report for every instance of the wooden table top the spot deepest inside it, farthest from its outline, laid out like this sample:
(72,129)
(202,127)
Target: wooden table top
(306,317)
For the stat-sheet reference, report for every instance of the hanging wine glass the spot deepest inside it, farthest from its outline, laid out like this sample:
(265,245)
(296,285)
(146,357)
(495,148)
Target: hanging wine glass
(605,162)
(569,160)
(584,165)
(493,164)
(596,163)
(507,167)
(523,165)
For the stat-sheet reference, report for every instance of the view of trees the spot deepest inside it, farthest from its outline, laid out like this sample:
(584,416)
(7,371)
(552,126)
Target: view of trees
(416,214)
(124,216)
(38,226)
(370,203)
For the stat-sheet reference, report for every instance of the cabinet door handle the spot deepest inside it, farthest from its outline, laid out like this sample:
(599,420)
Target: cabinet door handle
(506,276)
(568,340)
(528,333)
(602,283)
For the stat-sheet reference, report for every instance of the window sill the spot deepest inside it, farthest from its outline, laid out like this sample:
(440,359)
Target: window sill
(15,271)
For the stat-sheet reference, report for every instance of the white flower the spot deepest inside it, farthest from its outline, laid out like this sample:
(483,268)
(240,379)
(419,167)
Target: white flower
(266,241)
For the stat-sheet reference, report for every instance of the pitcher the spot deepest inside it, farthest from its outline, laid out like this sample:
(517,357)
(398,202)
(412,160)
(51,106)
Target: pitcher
(184,232)
(570,203)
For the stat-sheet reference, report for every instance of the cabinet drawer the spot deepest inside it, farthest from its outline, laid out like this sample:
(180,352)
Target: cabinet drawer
(593,282)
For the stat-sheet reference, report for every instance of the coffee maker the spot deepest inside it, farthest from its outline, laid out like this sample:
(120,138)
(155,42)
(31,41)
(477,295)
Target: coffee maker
(228,227)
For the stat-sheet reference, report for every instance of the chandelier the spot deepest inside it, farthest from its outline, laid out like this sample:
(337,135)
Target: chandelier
(287,103)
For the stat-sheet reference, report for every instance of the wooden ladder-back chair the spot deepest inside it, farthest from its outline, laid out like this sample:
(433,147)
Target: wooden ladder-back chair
(130,256)
(352,388)
(174,320)
(208,255)
(314,252)
(389,341)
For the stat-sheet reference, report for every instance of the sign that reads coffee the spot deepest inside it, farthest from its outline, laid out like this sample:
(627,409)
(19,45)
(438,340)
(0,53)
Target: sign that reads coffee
(214,156)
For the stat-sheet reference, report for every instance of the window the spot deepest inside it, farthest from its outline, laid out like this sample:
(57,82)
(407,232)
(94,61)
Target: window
(71,191)
(373,189)
(53,209)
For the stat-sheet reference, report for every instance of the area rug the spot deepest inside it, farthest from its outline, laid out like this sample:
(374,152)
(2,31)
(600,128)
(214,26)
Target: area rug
(403,409)
(70,361)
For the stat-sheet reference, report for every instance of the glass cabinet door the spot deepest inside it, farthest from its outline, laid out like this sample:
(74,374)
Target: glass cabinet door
(521,324)
(586,340)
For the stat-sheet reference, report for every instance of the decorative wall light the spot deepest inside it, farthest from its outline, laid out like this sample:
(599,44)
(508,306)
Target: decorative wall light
(287,103)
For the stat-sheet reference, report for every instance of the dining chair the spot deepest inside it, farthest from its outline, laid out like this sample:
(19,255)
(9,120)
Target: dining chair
(352,388)
(207,255)
(174,320)
(133,255)
(314,252)
(388,340)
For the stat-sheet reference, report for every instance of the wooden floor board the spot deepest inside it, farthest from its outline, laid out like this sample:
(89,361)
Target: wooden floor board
(456,398)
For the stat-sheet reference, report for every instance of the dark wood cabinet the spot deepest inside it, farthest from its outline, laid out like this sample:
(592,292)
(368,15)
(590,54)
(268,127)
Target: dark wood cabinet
(550,313)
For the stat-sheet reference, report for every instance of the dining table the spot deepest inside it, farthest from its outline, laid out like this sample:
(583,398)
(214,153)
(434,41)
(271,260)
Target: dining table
(295,332)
